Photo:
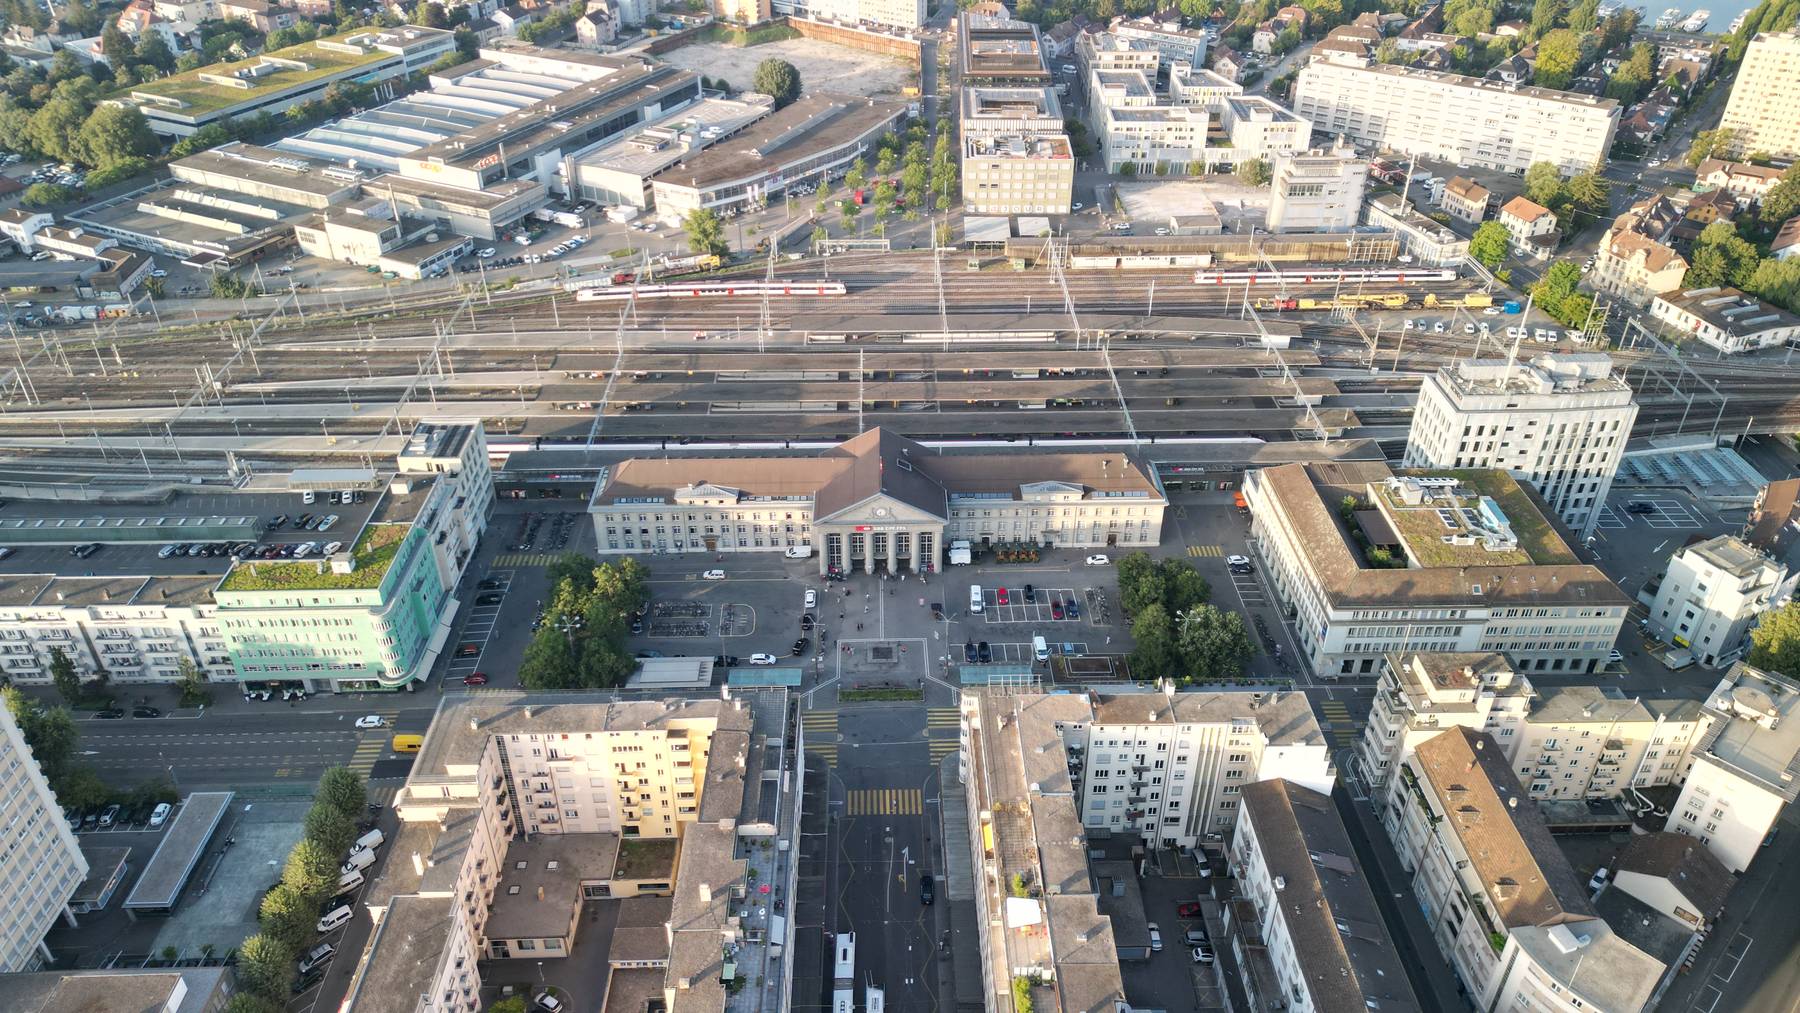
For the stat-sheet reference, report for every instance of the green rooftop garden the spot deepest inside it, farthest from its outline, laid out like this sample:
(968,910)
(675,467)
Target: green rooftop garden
(203,97)
(1538,541)
(374,553)
(645,859)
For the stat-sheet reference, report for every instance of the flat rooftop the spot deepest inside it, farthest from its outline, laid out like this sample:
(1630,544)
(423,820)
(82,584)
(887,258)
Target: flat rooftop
(990,101)
(1556,374)
(373,553)
(404,955)
(1760,736)
(183,843)
(1731,310)
(539,890)
(1496,88)
(263,165)
(1732,555)
(654,146)
(813,124)
(188,93)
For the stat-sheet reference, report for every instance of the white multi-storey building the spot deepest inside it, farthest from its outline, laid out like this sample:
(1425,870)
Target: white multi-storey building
(1317,941)
(1559,422)
(137,628)
(1136,127)
(1421,694)
(1317,191)
(1459,119)
(1454,572)
(1741,772)
(1172,41)
(1016,157)
(885,13)
(1505,908)
(1765,96)
(1711,596)
(41,866)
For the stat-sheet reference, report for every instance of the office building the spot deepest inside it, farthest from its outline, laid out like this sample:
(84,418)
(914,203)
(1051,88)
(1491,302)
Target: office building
(41,866)
(877,501)
(815,138)
(1458,119)
(1559,422)
(619,171)
(1255,127)
(180,104)
(373,613)
(1044,772)
(1305,929)
(1423,238)
(1764,97)
(1135,126)
(902,14)
(368,232)
(1173,42)
(1711,596)
(1741,773)
(1317,191)
(1505,908)
(1441,560)
(1016,157)
(524,811)
(1726,319)
(998,50)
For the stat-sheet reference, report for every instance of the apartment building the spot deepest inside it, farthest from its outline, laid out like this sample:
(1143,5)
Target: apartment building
(42,865)
(1711,596)
(1110,51)
(875,502)
(136,628)
(1764,97)
(1566,743)
(1505,908)
(1305,928)
(1726,319)
(1559,422)
(1467,200)
(1633,266)
(1458,119)
(1191,84)
(1016,157)
(1440,560)
(1317,191)
(1530,227)
(903,14)
(1172,41)
(1256,128)
(1746,183)
(1136,127)
(1741,771)
(521,810)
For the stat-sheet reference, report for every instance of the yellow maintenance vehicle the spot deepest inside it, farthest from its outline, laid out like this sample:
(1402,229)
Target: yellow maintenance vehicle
(1473,300)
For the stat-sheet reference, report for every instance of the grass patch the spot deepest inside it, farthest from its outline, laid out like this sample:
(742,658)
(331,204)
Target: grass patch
(882,693)
(645,859)
(202,97)
(373,553)
(728,35)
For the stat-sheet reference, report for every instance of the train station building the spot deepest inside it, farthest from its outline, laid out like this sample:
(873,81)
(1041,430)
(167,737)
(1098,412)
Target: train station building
(877,503)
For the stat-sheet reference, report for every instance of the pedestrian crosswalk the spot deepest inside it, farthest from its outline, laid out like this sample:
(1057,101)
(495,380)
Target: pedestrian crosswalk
(821,734)
(372,744)
(1338,723)
(885,802)
(525,558)
(1206,550)
(943,717)
(941,748)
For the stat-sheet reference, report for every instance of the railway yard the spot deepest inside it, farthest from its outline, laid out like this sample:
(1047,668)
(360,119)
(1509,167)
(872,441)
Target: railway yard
(928,348)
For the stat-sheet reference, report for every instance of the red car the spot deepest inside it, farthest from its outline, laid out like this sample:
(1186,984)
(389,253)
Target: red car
(1189,910)
(468,650)
(475,679)
(1000,595)
(1056,610)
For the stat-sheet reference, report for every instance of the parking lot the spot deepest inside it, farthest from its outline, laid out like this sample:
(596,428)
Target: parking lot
(1666,514)
(1045,607)
(478,627)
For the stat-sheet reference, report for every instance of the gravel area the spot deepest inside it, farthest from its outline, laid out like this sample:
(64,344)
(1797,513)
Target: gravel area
(823,67)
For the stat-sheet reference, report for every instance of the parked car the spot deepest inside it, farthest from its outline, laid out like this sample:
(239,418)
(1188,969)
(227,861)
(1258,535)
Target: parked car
(1189,910)
(1204,955)
(468,650)
(109,713)
(145,712)
(1000,595)
(984,652)
(1098,560)
(109,816)
(318,956)
(969,654)
(548,1003)
(475,679)
(800,646)
(1155,937)
(927,889)
(812,598)
(763,659)
(489,599)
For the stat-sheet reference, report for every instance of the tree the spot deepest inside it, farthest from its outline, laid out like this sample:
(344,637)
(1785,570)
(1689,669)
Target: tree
(1543,183)
(573,567)
(246,1002)
(1632,78)
(49,732)
(1183,587)
(511,1004)
(227,286)
(1213,642)
(1590,192)
(857,176)
(153,51)
(192,683)
(705,232)
(287,916)
(265,968)
(1489,244)
(1782,201)
(1775,642)
(1721,257)
(334,831)
(777,79)
(1544,16)
(311,871)
(1157,654)
(344,790)
(64,677)
(1584,16)
(1254,172)
(549,662)
(115,44)
(1708,143)
(1558,54)
(56,126)
(117,172)
(1777,281)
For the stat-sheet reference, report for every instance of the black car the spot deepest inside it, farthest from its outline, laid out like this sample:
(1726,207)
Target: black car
(302,521)
(1640,507)
(806,621)
(937,611)
(800,646)
(307,982)
(491,584)
(1030,595)
(278,520)
(969,651)
(637,626)
(145,712)
(110,713)
(725,661)
(490,599)
(927,889)
(984,652)
(84,550)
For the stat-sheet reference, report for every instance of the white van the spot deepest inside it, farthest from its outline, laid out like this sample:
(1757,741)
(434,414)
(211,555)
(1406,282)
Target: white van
(799,552)
(368,842)
(349,881)
(335,919)
(975,605)
(1040,649)
(308,497)
(359,860)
